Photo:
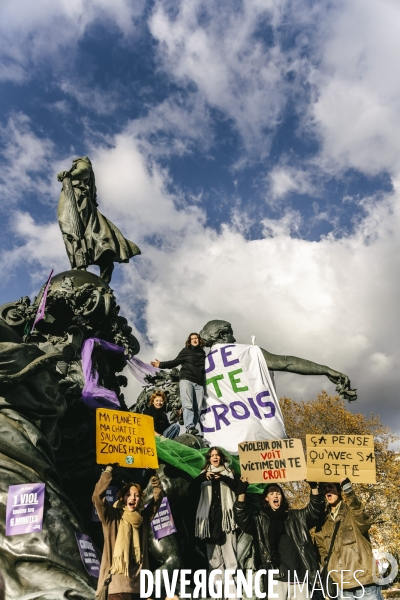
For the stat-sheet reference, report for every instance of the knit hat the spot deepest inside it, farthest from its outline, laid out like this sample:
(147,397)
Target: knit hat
(266,489)
(284,502)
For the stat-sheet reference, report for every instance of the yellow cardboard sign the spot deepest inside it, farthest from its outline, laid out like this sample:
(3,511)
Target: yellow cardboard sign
(334,457)
(272,460)
(125,438)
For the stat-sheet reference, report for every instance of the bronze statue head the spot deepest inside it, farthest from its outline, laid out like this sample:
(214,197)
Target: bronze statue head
(217,332)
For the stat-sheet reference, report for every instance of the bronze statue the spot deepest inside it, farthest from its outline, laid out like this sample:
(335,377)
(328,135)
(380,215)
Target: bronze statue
(47,433)
(220,332)
(90,238)
(32,565)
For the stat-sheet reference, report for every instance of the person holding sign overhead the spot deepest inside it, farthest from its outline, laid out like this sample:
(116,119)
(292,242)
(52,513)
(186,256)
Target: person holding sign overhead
(125,528)
(346,524)
(282,537)
(191,379)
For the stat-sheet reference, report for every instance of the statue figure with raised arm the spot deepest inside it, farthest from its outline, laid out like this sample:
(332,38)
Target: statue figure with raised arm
(220,332)
(89,238)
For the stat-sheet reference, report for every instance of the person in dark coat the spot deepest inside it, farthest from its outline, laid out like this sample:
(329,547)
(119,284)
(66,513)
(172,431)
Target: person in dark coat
(191,379)
(282,538)
(156,409)
(352,547)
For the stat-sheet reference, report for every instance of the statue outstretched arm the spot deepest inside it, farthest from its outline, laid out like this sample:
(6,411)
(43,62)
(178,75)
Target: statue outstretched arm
(293,364)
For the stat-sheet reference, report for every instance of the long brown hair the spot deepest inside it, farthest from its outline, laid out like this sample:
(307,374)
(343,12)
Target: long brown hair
(220,453)
(201,341)
(126,488)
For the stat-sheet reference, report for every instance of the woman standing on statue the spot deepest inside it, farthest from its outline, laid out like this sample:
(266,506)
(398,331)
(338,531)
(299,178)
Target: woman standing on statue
(191,379)
(215,523)
(125,528)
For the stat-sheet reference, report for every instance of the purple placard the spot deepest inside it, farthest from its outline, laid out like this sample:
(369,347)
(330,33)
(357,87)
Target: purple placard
(42,305)
(24,512)
(163,523)
(111,497)
(93,394)
(88,554)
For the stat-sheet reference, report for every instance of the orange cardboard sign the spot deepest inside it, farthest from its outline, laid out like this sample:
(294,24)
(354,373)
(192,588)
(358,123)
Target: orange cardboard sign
(334,457)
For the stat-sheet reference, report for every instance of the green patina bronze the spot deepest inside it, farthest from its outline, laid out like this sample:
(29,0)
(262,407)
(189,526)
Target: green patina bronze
(89,238)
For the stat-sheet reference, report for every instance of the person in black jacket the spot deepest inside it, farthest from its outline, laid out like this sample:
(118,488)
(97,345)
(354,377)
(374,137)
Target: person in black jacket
(156,409)
(282,537)
(191,379)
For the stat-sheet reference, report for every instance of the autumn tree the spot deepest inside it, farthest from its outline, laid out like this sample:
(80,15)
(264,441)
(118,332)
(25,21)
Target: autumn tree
(329,415)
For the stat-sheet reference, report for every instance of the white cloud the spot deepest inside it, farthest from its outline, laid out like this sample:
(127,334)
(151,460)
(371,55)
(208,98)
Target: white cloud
(356,112)
(46,32)
(100,101)
(215,47)
(26,161)
(344,55)
(39,247)
(330,301)
(175,125)
(132,191)
(285,179)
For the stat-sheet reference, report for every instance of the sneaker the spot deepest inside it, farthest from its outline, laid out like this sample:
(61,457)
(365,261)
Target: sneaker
(193,431)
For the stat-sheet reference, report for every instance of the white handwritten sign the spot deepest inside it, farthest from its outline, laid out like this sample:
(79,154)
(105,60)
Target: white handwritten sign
(241,399)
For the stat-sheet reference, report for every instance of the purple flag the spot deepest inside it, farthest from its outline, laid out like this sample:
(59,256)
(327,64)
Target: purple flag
(93,394)
(139,369)
(88,554)
(24,512)
(111,497)
(163,523)
(42,304)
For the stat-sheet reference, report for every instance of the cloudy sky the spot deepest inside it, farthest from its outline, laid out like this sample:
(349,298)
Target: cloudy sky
(250,148)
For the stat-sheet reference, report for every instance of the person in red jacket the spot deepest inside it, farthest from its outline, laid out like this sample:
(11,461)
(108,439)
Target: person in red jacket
(191,379)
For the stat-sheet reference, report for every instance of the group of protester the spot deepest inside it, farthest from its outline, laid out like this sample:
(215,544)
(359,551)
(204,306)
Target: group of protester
(281,534)
(282,539)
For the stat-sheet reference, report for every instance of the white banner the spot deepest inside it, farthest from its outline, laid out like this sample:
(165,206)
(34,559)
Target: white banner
(241,402)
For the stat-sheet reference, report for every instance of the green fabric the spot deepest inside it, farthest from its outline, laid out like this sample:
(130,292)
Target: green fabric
(192,461)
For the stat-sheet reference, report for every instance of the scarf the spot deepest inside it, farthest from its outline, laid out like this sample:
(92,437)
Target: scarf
(127,544)
(228,498)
